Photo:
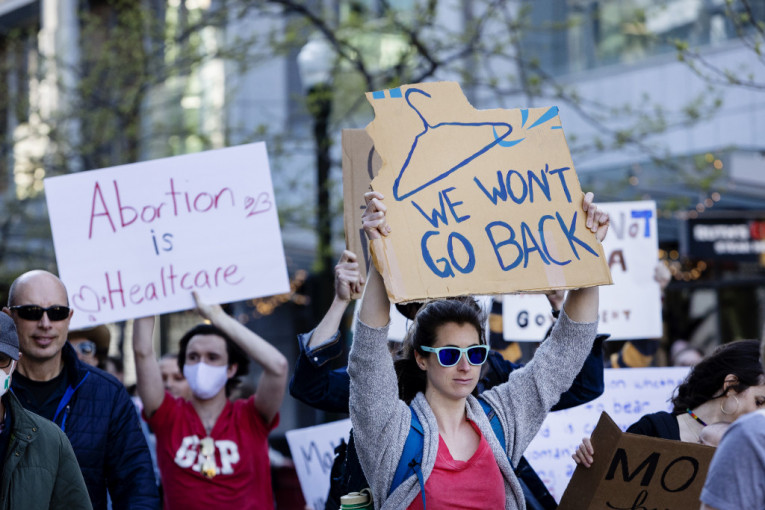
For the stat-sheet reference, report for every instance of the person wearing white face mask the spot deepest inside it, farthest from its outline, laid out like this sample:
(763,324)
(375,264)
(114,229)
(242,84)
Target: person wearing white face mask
(212,452)
(39,469)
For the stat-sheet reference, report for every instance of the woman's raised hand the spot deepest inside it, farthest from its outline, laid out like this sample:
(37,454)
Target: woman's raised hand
(373,219)
(584,453)
(597,219)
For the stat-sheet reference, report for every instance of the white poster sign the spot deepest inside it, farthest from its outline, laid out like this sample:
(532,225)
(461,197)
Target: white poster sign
(629,394)
(631,307)
(135,240)
(526,317)
(313,451)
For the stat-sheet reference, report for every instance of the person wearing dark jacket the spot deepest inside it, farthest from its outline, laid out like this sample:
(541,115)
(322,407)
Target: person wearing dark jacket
(39,470)
(90,406)
(315,384)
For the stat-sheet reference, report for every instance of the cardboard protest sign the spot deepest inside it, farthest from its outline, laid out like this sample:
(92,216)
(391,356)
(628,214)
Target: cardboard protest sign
(135,240)
(631,307)
(629,394)
(360,165)
(479,201)
(632,471)
(313,451)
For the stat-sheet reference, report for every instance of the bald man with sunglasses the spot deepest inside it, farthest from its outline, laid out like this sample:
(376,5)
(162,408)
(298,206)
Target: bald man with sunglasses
(89,405)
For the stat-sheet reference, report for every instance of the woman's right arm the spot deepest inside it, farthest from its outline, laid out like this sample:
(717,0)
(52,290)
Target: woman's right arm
(380,420)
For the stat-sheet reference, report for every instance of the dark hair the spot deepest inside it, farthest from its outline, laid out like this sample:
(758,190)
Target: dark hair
(706,380)
(114,360)
(235,353)
(409,309)
(463,310)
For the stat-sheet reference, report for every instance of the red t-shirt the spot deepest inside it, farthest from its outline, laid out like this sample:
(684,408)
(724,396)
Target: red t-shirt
(457,484)
(243,474)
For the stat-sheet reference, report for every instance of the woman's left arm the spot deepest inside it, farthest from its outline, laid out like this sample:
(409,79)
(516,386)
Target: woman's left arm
(525,399)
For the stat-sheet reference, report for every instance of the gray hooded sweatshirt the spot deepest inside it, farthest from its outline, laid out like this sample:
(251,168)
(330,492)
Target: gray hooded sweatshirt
(381,422)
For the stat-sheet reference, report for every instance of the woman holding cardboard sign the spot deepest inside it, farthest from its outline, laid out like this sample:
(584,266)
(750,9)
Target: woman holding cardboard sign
(721,388)
(435,443)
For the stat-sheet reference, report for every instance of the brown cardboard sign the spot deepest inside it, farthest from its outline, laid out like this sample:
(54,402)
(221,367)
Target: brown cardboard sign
(633,472)
(479,201)
(360,165)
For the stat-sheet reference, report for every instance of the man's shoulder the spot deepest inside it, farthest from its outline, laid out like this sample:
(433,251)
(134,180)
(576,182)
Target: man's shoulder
(105,390)
(99,377)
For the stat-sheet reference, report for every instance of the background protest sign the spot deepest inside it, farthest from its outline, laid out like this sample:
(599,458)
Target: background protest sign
(479,201)
(313,451)
(135,240)
(631,307)
(629,394)
(526,317)
(634,471)
(360,165)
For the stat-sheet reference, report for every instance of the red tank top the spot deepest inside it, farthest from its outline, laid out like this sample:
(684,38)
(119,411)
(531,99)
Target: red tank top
(455,484)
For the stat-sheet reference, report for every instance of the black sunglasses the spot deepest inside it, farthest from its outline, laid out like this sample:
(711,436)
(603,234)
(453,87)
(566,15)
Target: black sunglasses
(35,313)
(5,360)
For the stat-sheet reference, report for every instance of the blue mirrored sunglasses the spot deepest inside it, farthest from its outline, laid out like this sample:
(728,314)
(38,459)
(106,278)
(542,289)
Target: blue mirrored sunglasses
(450,356)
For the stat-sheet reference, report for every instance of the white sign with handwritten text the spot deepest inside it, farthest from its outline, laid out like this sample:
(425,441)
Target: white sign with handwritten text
(629,394)
(313,451)
(135,240)
(525,317)
(631,307)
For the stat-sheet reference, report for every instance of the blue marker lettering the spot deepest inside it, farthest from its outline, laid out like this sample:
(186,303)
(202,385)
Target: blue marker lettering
(544,186)
(527,235)
(509,185)
(496,193)
(646,214)
(544,244)
(452,205)
(468,249)
(443,273)
(562,178)
(433,220)
(497,245)
(569,233)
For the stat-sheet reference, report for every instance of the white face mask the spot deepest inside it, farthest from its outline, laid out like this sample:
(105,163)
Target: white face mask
(5,379)
(205,380)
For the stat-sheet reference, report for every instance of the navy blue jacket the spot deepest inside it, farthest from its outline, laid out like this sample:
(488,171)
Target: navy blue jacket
(101,422)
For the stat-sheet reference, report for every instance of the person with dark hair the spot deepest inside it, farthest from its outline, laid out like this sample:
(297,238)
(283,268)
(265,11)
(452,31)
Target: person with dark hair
(92,408)
(736,477)
(172,377)
(463,460)
(212,452)
(318,385)
(724,386)
(91,344)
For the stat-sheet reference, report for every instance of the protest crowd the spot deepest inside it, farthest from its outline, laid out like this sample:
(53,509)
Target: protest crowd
(437,419)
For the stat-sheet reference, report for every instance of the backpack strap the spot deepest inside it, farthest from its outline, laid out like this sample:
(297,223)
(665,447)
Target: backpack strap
(524,471)
(496,426)
(411,458)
